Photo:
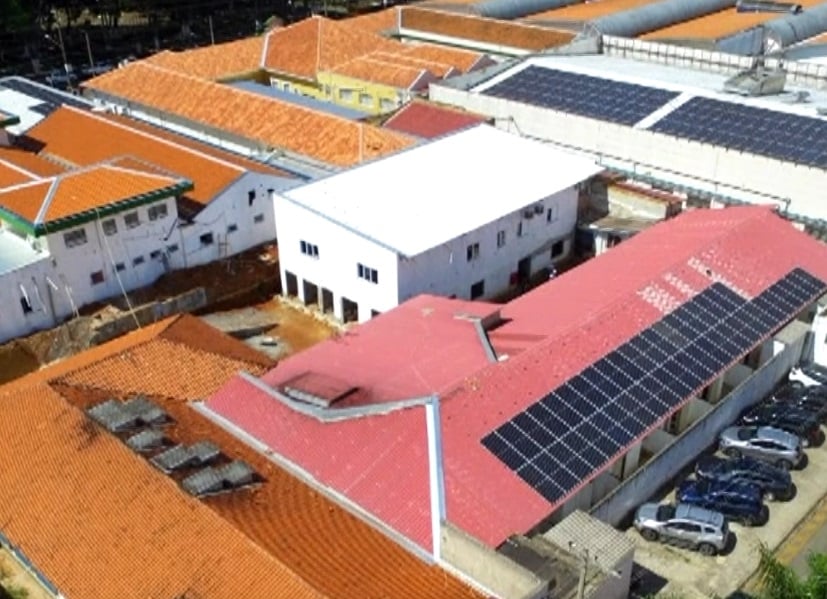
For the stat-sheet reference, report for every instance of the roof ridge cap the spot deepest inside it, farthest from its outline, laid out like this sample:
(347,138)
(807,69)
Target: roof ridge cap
(130,171)
(47,201)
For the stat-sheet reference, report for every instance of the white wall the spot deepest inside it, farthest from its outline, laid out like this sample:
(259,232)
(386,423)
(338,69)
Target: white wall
(14,322)
(445,270)
(231,207)
(697,165)
(335,269)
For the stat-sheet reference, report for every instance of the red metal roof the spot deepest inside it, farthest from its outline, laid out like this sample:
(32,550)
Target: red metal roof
(427,120)
(550,334)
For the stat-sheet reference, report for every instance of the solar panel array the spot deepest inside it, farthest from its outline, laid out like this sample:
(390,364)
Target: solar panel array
(560,441)
(593,97)
(789,137)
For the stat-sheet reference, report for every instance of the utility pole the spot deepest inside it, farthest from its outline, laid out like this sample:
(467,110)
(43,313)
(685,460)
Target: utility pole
(62,48)
(212,33)
(89,52)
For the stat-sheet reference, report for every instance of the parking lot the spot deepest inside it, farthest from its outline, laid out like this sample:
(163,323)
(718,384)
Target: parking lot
(696,576)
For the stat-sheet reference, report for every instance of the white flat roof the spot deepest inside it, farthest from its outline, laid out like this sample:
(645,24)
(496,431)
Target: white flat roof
(679,79)
(16,252)
(435,192)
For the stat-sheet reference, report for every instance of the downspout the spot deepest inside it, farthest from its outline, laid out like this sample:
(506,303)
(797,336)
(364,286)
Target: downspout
(435,473)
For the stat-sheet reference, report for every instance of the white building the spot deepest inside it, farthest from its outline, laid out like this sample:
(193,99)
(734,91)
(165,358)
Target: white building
(77,238)
(362,241)
(706,123)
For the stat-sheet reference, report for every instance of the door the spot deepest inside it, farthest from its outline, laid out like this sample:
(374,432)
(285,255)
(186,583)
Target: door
(524,271)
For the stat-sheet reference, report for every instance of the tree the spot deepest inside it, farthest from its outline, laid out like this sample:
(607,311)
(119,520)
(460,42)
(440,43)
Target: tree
(779,581)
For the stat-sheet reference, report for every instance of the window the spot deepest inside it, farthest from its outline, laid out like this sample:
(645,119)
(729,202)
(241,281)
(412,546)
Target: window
(558,248)
(251,197)
(157,212)
(74,238)
(477,289)
(232,228)
(206,239)
(137,261)
(472,252)
(309,249)
(258,218)
(366,100)
(171,249)
(367,273)
(520,229)
(500,239)
(346,95)
(109,227)
(551,214)
(131,220)
(386,105)
(155,254)
(97,277)
(120,267)
(25,303)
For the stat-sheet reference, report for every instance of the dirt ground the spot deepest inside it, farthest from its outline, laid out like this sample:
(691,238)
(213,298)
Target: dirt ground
(298,327)
(12,574)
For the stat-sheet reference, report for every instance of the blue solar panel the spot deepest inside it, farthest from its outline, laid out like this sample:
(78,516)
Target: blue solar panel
(561,440)
(789,137)
(593,97)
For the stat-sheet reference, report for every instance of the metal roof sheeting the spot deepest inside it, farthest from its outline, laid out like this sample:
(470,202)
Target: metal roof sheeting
(636,21)
(514,9)
(784,31)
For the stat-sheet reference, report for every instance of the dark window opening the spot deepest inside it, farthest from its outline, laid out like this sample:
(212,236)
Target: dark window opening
(478,289)
(206,239)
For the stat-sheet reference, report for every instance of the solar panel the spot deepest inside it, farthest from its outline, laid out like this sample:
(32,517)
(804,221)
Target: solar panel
(593,97)
(146,440)
(789,137)
(181,456)
(579,427)
(211,480)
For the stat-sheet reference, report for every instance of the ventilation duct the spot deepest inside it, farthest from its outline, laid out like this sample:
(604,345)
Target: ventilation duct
(757,82)
(635,21)
(778,33)
(767,6)
(514,9)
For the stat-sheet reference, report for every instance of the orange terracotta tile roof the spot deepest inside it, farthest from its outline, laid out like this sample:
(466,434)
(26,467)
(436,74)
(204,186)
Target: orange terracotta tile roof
(333,550)
(319,44)
(80,191)
(149,360)
(385,72)
(584,11)
(221,61)
(717,25)
(819,39)
(463,60)
(30,161)
(438,69)
(267,121)
(379,21)
(12,174)
(101,522)
(107,138)
(479,29)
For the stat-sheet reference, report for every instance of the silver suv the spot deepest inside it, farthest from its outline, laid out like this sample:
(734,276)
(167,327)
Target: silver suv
(765,443)
(684,525)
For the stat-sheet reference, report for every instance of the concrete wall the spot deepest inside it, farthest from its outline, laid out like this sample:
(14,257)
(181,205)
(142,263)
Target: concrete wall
(662,467)
(231,218)
(644,153)
(610,587)
(367,96)
(446,270)
(335,268)
(31,278)
(501,576)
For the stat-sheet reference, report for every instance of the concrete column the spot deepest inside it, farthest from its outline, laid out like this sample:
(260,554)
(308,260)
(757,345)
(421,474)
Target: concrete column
(337,307)
(631,460)
(693,411)
(283,277)
(713,396)
(300,290)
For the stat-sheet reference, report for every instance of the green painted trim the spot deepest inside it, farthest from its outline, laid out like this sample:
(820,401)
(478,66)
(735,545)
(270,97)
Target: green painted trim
(11,119)
(17,220)
(80,218)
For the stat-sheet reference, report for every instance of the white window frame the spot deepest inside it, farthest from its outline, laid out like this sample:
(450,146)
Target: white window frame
(75,238)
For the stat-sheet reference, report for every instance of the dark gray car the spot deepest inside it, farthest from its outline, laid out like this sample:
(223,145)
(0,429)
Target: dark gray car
(764,443)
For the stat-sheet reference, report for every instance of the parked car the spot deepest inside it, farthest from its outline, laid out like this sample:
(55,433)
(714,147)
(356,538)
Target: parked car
(811,399)
(810,375)
(737,501)
(775,483)
(788,418)
(685,525)
(764,443)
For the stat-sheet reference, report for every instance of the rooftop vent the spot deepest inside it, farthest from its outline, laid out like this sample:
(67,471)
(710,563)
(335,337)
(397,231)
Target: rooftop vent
(767,6)
(317,389)
(181,456)
(146,441)
(118,416)
(211,481)
(758,81)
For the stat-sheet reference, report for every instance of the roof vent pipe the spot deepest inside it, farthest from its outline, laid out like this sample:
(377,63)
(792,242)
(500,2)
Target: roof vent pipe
(781,32)
(657,15)
(514,9)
